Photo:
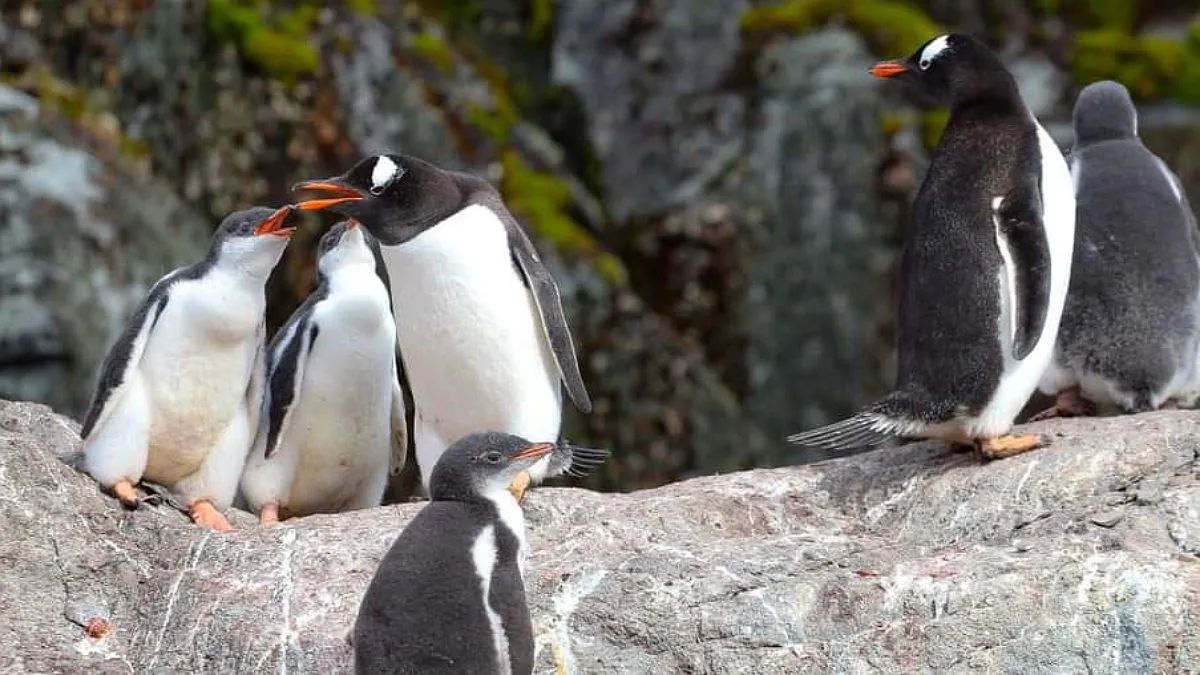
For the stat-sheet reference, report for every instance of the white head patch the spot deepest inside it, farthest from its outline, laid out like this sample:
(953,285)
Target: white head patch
(383,173)
(933,50)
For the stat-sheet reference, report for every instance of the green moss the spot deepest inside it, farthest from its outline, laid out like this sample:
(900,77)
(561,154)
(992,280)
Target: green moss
(543,200)
(541,19)
(364,7)
(432,47)
(274,41)
(1150,66)
(890,26)
(1111,14)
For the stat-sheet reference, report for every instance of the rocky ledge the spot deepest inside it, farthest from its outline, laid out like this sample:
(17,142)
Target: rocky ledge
(1082,557)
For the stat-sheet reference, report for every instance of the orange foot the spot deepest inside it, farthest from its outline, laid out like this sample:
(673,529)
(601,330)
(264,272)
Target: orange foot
(269,514)
(519,485)
(1007,446)
(204,514)
(1068,403)
(124,491)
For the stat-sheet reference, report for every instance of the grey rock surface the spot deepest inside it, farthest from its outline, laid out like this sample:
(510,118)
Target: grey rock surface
(83,238)
(914,559)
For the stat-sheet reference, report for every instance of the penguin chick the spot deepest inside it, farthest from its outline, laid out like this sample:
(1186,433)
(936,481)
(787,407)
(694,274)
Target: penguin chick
(449,596)
(1131,326)
(985,266)
(333,412)
(178,396)
(482,334)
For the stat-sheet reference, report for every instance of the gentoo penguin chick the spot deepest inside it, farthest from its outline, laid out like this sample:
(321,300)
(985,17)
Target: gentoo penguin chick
(479,320)
(178,397)
(449,596)
(985,266)
(333,413)
(1131,326)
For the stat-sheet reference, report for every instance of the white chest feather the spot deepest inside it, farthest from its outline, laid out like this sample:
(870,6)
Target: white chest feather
(470,335)
(483,555)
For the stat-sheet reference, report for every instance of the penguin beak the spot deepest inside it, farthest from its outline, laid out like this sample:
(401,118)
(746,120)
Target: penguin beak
(534,451)
(339,193)
(886,69)
(274,223)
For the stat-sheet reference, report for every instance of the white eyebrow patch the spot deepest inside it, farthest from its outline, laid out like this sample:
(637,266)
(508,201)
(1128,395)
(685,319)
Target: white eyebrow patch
(384,171)
(933,49)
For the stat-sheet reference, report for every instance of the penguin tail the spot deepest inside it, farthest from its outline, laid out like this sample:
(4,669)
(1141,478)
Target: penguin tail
(576,460)
(865,430)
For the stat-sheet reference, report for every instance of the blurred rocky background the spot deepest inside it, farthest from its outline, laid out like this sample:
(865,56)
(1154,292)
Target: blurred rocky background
(718,185)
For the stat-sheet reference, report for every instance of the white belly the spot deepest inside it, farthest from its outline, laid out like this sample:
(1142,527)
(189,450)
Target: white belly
(1020,378)
(341,426)
(196,370)
(471,337)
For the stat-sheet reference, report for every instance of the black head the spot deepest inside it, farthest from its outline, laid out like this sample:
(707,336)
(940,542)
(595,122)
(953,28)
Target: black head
(395,196)
(950,69)
(257,221)
(1104,111)
(483,464)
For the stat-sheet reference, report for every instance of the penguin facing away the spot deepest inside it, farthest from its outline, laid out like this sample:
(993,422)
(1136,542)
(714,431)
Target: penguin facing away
(449,596)
(479,321)
(985,265)
(178,396)
(332,428)
(1131,327)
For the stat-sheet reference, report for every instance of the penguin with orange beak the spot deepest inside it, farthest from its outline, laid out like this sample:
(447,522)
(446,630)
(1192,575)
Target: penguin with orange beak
(179,393)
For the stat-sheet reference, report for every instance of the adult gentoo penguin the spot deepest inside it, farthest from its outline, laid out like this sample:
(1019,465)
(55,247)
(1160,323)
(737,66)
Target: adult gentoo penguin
(479,321)
(178,397)
(1131,326)
(449,595)
(333,413)
(985,266)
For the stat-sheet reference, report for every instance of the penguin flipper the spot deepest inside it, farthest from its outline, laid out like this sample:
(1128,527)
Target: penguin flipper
(399,422)
(1021,238)
(549,305)
(126,353)
(289,356)
(864,430)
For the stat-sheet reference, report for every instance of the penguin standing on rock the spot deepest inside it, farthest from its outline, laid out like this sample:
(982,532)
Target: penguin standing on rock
(1131,326)
(985,267)
(449,596)
(179,393)
(479,321)
(333,413)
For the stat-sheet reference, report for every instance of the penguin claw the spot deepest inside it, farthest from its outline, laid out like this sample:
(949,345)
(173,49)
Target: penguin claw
(1008,446)
(204,514)
(124,491)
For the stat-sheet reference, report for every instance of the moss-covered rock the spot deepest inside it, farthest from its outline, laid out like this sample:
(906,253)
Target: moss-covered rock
(277,41)
(1151,66)
(891,27)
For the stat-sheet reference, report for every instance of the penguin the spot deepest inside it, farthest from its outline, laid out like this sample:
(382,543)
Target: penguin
(985,265)
(1131,326)
(332,428)
(480,325)
(449,596)
(178,396)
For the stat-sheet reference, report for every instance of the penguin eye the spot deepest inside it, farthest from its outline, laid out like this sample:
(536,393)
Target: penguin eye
(493,457)
(925,63)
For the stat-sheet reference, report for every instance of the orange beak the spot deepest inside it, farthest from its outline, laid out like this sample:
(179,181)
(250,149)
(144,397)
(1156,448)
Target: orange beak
(886,69)
(535,450)
(339,194)
(274,223)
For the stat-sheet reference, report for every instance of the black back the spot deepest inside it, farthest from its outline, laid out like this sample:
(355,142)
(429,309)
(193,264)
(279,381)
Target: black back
(422,612)
(949,356)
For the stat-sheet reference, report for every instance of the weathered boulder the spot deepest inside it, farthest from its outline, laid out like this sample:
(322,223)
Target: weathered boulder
(1084,556)
(84,236)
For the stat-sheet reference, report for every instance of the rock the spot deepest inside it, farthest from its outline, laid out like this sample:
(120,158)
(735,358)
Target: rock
(912,559)
(85,235)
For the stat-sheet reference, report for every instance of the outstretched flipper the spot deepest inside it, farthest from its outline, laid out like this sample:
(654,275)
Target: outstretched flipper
(289,355)
(1026,254)
(399,435)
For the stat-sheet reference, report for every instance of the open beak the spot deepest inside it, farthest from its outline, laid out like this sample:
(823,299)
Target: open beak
(274,223)
(886,69)
(338,193)
(534,451)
